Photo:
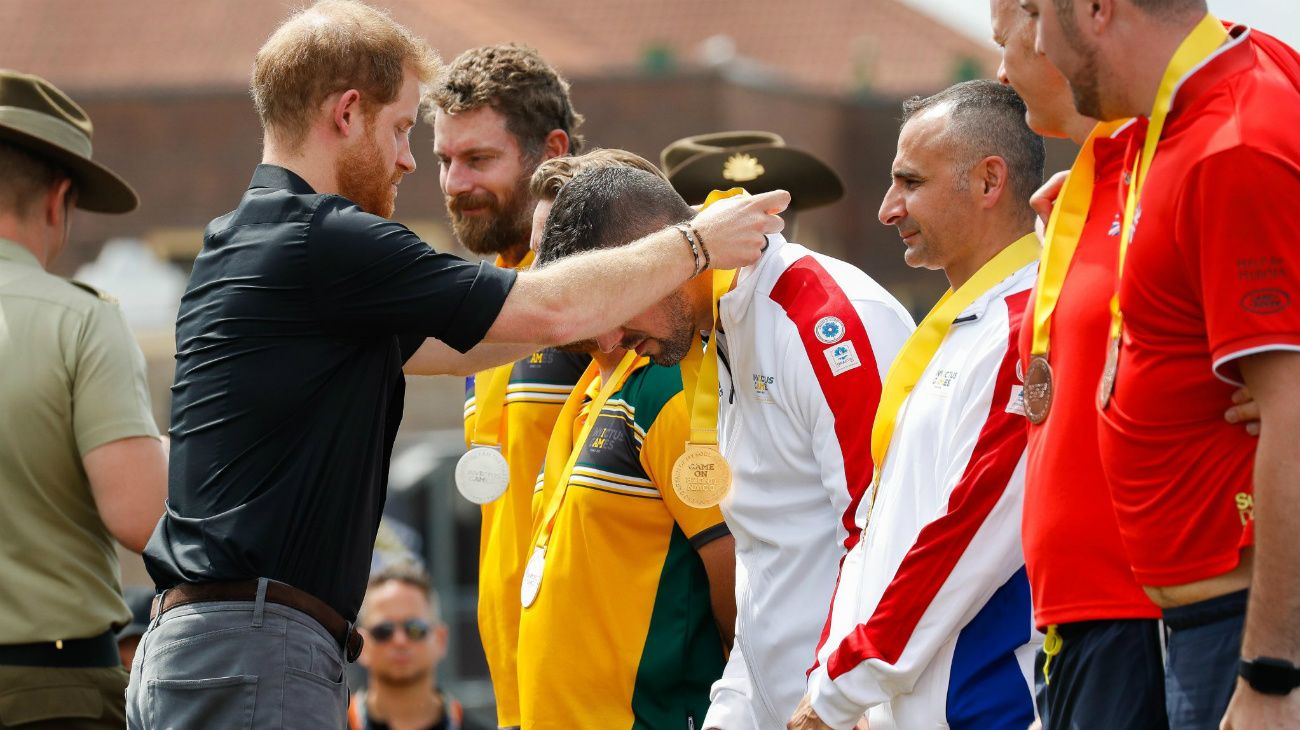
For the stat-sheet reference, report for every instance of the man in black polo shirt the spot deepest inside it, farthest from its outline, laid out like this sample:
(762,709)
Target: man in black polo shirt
(303,306)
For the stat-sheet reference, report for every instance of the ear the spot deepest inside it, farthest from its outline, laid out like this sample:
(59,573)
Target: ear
(57,202)
(345,113)
(1100,14)
(556,144)
(991,175)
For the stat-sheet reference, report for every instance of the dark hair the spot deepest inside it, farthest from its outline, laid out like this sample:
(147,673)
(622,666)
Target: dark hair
(987,119)
(607,207)
(412,575)
(27,176)
(516,82)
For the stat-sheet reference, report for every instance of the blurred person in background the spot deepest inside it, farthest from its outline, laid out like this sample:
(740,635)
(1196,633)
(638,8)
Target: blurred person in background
(406,640)
(498,112)
(81,463)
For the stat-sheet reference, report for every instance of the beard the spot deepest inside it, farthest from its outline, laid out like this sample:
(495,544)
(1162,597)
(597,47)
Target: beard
(364,180)
(681,335)
(504,224)
(1087,88)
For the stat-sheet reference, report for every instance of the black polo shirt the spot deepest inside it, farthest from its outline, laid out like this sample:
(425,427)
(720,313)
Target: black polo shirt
(290,342)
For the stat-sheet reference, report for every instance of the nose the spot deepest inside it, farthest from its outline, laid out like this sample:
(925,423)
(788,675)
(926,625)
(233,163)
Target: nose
(456,179)
(405,159)
(892,209)
(610,341)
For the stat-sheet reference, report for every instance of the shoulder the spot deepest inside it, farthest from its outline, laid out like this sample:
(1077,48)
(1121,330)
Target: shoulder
(814,286)
(649,389)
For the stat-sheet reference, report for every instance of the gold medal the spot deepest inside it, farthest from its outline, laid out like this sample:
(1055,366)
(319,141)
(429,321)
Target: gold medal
(1038,389)
(701,476)
(1107,384)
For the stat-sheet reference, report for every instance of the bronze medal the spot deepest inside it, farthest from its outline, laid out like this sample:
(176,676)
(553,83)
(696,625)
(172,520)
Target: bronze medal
(701,476)
(1038,389)
(1107,384)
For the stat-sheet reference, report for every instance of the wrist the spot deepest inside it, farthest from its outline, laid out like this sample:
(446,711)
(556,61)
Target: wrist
(696,245)
(1269,675)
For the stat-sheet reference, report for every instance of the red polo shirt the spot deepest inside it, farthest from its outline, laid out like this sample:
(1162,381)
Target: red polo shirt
(1212,276)
(1078,570)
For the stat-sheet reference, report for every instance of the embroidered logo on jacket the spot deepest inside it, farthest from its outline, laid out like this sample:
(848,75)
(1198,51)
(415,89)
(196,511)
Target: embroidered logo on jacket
(829,330)
(842,357)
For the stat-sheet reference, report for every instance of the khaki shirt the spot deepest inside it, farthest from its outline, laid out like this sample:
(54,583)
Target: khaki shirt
(72,378)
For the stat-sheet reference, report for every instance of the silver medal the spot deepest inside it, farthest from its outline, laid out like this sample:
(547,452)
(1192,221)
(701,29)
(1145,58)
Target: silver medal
(482,474)
(532,582)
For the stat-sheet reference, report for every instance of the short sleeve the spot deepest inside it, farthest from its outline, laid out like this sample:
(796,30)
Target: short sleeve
(1240,209)
(370,275)
(110,393)
(664,442)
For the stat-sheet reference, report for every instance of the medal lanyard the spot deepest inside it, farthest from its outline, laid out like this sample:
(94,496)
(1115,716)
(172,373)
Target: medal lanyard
(557,457)
(1208,35)
(490,401)
(700,374)
(1064,228)
(490,391)
(924,342)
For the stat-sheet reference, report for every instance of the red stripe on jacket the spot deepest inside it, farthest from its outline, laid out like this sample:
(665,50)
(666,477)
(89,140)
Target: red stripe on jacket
(941,544)
(808,293)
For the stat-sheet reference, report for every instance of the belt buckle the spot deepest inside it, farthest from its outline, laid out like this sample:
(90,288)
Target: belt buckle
(352,643)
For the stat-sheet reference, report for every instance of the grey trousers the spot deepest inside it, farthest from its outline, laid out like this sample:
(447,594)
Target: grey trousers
(236,665)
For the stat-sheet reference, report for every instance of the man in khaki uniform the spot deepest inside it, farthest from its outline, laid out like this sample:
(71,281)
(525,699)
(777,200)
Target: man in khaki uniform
(80,458)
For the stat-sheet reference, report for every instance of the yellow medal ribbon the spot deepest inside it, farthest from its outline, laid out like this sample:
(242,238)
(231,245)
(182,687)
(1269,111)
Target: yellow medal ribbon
(924,342)
(490,391)
(490,401)
(562,453)
(1064,229)
(1204,40)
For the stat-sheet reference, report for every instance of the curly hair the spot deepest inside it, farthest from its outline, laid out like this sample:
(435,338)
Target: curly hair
(333,46)
(516,82)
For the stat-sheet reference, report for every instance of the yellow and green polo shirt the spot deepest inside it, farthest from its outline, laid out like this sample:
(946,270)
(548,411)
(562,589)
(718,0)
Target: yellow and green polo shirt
(538,387)
(622,634)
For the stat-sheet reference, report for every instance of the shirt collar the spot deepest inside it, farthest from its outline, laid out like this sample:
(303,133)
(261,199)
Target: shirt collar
(274,176)
(17,253)
(977,308)
(1236,55)
(742,293)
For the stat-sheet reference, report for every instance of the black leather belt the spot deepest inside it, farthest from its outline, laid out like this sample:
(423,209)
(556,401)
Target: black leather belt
(97,651)
(280,593)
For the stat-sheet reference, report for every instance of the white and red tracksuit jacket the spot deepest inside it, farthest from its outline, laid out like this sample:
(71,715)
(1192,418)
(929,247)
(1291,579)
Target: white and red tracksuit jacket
(804,345)
(932,625)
